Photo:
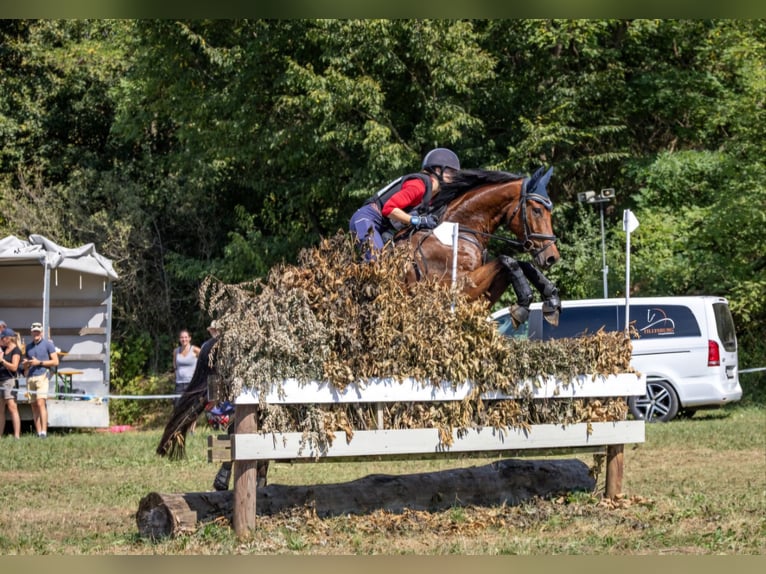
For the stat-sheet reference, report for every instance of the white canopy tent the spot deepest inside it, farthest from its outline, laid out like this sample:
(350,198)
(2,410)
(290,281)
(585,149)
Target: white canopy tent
(43,251)
(69,290)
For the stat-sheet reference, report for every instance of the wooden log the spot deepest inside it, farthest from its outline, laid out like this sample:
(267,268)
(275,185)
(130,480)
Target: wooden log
(161,515)
(508,481)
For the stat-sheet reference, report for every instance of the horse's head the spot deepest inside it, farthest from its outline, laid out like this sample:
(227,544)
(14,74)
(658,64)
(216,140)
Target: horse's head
(533,226)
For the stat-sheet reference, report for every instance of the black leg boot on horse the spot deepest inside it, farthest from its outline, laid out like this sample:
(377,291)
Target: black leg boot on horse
(520,310)
(546,288)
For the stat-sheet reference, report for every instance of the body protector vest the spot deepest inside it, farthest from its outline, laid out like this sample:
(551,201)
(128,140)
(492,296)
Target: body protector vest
(384,194)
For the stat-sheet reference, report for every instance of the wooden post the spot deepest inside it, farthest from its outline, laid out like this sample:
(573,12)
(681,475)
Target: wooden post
(245,474)
(614,469)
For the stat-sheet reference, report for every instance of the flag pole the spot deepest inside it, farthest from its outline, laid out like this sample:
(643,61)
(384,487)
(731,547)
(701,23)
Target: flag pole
(629,224)
(455,229)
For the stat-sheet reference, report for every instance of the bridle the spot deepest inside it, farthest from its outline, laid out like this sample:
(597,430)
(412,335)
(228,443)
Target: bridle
(527,245)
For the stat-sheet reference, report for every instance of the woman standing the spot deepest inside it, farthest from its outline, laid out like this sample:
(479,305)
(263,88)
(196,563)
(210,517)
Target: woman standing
(10,358)
(184,363)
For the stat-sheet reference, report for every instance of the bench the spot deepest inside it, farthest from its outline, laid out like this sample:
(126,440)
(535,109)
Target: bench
(246,447)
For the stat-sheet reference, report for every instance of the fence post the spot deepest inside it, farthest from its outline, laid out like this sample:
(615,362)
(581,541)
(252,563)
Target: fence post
(245,474)
(614,470)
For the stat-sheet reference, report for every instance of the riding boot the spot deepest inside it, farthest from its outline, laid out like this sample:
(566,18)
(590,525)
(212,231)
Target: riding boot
(261,470)
(222,478)
(550,293)
(519,311)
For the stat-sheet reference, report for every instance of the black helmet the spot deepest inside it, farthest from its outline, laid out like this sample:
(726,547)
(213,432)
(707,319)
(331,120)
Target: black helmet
(441,157)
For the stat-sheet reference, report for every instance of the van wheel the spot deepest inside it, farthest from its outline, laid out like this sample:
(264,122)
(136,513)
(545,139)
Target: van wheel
(659,404)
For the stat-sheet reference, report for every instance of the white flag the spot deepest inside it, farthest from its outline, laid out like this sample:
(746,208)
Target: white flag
(629,221)
(445,232)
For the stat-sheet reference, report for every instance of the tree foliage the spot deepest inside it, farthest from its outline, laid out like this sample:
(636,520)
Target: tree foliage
(188,149)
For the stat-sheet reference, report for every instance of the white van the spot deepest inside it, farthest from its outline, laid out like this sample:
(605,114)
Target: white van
(686,346)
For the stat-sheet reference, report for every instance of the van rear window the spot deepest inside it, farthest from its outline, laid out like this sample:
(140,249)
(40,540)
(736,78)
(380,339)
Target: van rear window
(651,321)
(725,326)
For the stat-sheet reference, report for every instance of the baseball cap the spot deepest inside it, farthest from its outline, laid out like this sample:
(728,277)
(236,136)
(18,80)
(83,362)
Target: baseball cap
(36,327)
(7,332)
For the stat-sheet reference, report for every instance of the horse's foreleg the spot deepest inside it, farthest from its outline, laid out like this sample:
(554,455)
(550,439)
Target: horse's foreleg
(491,281)
(520,310)
(549,291)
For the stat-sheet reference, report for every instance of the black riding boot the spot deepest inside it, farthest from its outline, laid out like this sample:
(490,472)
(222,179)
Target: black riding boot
(222,477)
(550,293)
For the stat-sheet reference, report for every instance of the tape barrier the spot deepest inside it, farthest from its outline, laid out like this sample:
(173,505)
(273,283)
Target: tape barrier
(93,398)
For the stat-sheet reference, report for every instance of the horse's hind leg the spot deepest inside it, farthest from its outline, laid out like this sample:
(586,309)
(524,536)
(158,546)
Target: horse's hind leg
(223,476)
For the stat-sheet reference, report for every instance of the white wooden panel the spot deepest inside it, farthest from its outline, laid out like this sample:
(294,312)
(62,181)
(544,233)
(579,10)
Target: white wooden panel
(390,390)
(78,414)
(425,441)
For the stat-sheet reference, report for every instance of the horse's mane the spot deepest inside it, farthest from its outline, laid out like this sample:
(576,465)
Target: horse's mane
(468,179)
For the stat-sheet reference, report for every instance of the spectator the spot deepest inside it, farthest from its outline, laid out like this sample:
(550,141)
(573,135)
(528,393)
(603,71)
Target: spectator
(10,359)
(184,363)
(40,356)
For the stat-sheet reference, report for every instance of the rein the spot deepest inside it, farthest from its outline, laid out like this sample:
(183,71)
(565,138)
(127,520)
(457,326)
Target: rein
(526,245)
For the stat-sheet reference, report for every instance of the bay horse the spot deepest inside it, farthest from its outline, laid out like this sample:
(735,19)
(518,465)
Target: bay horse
(480,202)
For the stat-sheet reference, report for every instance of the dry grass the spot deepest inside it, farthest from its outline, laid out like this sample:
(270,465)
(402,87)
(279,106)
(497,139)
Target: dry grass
(337,319)
(695,487)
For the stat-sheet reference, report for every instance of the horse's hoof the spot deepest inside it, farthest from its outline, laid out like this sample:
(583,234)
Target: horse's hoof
(552,317)
(519,315)
(552,309)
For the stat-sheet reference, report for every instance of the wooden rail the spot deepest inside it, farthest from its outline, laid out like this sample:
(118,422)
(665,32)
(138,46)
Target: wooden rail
(248,446)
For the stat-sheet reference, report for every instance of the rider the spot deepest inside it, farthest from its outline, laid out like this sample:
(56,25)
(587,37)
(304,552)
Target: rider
(405,202)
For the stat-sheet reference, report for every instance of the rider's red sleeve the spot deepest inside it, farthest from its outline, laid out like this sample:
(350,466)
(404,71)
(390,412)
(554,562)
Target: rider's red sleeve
(410,195)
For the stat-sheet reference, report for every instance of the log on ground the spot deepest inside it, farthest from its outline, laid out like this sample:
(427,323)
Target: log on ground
(509,482)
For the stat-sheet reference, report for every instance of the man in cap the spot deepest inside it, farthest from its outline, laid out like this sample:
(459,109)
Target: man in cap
(40,356)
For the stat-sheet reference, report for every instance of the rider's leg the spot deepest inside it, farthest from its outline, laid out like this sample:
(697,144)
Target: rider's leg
(366,224)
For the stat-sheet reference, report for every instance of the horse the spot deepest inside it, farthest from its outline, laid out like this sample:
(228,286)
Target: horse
(480,202)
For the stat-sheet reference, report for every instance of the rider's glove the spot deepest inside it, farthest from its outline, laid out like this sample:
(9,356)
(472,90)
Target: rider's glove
(423,221)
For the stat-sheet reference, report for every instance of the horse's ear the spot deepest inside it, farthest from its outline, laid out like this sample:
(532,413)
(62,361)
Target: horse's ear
(546,178)
(539,181)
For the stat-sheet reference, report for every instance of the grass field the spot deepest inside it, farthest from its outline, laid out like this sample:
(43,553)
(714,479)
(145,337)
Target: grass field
(696,486)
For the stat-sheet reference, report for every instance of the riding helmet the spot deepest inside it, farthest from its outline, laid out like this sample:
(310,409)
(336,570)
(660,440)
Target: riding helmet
(441,157)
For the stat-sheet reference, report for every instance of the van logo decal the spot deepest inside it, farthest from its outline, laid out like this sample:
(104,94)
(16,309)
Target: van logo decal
(658,323)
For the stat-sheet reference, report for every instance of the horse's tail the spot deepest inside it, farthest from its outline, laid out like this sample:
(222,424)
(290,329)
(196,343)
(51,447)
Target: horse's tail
(188,407)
